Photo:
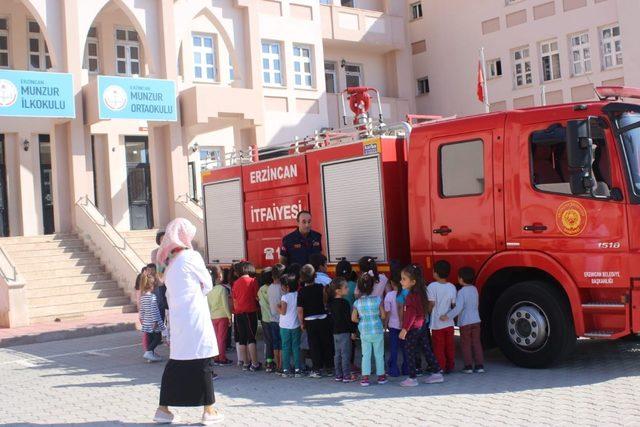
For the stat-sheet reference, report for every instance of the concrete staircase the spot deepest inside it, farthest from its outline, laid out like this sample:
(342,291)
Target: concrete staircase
(64,279)
(142,242)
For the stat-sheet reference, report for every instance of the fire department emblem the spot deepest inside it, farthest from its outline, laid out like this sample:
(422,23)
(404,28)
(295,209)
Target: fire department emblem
(8,93)
(115,98)
(571,218)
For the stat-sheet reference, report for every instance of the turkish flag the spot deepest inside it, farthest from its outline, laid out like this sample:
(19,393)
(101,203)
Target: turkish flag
(480,89)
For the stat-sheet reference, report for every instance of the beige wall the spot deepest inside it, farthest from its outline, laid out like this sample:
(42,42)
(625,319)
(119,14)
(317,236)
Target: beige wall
(453,44)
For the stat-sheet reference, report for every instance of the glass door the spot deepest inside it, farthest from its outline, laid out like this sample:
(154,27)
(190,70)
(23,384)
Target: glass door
(4,209)
(139,183)
(46,184)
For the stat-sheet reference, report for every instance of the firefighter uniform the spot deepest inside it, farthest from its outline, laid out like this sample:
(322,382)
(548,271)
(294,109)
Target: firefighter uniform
(297,248)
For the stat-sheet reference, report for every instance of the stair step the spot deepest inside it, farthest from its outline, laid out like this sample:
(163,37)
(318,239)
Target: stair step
(69,289)
(36,257)
(81,307)
(55,272)
(33,246)
(40,253)
(71,298)
(129,308)
(50,265)
(48,282)
(32,239)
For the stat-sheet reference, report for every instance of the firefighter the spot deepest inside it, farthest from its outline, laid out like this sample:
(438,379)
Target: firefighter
(300,244)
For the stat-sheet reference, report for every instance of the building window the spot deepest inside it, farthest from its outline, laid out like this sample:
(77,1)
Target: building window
(354,75)
(271,64)
(580,54)
(466,181)
(91,61)
(38,50)
(127,52)
(611,46)
(522,67)
(494,67)
(4,43)
(348,3)
(330,77)
(204,63)
(329,2)
(210,158)
(302,66)
(550,60)
(423,85)
(416,10)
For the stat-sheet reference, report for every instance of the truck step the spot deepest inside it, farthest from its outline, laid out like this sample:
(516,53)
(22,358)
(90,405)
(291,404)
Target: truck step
(604,304)
(601,334)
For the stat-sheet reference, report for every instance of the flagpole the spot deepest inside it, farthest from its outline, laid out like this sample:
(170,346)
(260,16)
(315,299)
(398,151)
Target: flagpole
(484,81)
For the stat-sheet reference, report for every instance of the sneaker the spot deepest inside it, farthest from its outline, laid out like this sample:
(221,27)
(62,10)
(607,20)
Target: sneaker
(480,369)
(382,379)
(245,367)
(240,364)
(434,378)
(339,379)
(162,417)
(224,362)
(148,355)
(298,373)
(315,374)
(209,419)
(364,382)
(286,374)
(255,368)
(268,368)
(350,379)
(419,372)
(214,376)
(409,382)
(155,357)
(467,370)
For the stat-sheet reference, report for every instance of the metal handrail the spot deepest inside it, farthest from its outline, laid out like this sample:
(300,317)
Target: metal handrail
(106,224)
(12,265)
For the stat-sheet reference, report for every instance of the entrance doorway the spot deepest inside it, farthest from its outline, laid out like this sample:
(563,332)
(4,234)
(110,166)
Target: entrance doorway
(4,210)
(139,182)
(46,183)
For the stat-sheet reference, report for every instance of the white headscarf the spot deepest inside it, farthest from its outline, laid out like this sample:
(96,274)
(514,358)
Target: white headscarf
(178,234)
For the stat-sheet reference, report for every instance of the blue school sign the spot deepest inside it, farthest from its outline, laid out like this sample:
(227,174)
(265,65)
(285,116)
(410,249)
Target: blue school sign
(141,99)
(36,94)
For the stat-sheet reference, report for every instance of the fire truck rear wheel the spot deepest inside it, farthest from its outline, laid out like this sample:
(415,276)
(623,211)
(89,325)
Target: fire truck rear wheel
(532,324)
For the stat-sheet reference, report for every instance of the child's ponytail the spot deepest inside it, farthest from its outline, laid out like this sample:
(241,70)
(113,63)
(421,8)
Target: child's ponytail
(368,264)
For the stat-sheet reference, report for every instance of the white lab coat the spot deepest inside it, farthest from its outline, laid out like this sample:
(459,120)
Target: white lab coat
(191,332)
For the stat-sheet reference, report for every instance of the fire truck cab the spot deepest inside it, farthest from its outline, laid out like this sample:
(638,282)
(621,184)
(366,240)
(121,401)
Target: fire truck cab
(542,203)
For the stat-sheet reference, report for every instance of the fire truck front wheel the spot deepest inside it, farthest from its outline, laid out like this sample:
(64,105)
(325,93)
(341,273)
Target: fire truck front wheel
(532,325)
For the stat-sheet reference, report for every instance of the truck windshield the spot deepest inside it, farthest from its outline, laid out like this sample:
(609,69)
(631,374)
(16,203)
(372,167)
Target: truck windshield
(631,143)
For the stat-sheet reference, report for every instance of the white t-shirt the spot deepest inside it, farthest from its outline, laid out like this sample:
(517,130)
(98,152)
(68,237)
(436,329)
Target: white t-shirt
(444,296)
(391,306)
(191,332)
(289,320)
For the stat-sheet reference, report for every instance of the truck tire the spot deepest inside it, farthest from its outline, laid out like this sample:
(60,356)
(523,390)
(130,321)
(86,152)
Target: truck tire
(533,325)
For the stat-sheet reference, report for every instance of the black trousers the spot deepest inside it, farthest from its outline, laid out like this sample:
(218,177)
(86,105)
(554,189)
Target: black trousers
(320,342)
(154,339)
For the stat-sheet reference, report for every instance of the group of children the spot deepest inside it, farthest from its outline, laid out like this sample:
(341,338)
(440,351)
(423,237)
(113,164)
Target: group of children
(301,307)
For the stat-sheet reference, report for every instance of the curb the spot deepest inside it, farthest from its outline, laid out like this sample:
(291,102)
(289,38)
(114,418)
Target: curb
(81,332)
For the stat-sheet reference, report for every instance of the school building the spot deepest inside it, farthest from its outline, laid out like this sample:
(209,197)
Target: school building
(111,109)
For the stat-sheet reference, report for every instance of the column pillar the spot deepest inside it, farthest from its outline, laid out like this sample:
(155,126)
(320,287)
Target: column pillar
(12,147)
(30,194)
(118,211)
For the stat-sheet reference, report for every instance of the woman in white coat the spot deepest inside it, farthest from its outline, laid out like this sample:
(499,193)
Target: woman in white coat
(187,378)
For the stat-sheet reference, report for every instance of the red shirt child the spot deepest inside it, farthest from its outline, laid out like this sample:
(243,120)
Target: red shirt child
(413,317)
(244,293)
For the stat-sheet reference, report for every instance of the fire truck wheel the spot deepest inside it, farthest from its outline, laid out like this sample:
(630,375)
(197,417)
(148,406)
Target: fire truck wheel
(532,324)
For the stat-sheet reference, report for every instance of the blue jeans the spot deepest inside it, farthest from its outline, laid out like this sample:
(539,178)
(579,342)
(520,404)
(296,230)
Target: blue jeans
(372,344)
(290,347)
(395,344)
(342,356)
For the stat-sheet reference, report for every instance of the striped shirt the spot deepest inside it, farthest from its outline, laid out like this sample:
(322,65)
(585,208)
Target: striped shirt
(150,314)
(369,315)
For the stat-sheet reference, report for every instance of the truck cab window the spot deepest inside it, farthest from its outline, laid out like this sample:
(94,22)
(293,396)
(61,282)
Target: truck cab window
(550,167)
(462,169)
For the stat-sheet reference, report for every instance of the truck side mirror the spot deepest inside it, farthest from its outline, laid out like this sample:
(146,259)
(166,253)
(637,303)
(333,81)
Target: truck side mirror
(579,146)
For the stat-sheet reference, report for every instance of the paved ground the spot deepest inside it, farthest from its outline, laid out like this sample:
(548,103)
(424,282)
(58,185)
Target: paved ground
(102,381)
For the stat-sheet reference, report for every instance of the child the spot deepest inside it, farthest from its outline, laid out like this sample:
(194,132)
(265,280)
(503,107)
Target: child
(344,270)
(220,314)
(313,317)
(392,312)
(226,273)
(265,317)
(343,329)
(442,298)
(319,263)
(368,313)
(468,321)
(274,295)
(245,309)
(368,264)
(290,327)
(412,332)
(150,320)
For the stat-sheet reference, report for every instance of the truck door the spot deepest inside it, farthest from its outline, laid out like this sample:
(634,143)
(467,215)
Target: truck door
(462,213)
(586,234)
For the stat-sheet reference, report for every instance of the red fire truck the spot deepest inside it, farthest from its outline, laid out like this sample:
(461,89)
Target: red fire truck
(540,202)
